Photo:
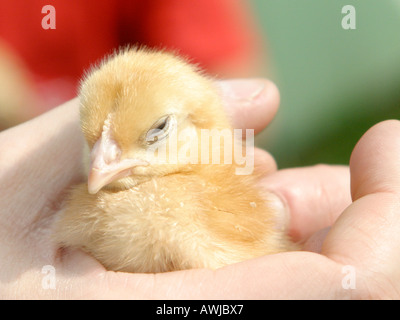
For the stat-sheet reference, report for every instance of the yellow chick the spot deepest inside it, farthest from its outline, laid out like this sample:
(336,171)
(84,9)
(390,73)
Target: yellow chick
(155,199)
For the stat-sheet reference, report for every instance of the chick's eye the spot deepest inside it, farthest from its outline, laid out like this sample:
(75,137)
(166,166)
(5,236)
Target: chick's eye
(160,129)
(162,125)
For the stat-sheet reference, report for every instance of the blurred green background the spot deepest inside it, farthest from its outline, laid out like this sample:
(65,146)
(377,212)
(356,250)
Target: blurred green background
(334,83)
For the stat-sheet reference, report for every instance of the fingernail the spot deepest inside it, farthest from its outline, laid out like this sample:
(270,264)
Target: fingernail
(280,208)
(246,90)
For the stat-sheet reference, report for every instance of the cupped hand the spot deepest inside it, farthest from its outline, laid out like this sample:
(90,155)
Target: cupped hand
(355,258)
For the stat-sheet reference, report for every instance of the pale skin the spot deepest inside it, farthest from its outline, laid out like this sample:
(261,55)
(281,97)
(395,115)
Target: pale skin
(41,158)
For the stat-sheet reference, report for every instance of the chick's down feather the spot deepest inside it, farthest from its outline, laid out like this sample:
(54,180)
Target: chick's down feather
(155,199)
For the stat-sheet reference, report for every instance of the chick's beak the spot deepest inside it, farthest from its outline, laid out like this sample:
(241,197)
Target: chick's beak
(107,166)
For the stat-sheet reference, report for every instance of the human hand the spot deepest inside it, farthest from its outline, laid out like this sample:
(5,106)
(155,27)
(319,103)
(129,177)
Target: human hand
(41,159)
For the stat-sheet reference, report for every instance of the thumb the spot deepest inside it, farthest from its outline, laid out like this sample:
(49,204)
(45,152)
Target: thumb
(367,234)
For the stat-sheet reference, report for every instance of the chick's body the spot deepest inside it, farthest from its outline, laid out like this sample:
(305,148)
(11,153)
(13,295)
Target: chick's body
(139,214)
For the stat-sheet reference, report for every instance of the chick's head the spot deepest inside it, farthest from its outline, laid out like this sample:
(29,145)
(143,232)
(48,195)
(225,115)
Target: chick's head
(139,109)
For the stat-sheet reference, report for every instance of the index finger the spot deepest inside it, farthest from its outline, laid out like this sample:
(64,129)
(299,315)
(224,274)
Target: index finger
(251,103)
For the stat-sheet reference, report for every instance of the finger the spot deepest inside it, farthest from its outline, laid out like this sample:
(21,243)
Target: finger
(251,103)
(264,163)
(374,163)
(312,197)
(279,276)
(368,232)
